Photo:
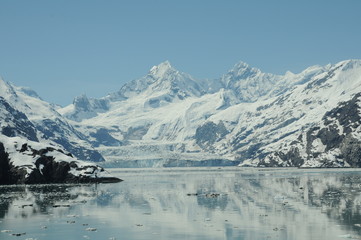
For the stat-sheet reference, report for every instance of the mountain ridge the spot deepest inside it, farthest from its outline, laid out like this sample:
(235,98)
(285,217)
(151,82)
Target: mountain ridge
(153,119)
(169,118)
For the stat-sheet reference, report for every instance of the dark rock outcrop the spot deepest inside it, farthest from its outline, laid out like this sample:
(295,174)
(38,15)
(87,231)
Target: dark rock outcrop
(103,137)
(47,168)
(351,151)
(15,123)
(4,166)
(207,134)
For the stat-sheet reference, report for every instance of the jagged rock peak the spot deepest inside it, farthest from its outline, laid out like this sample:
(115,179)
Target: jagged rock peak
(81,102)
(5,88)
(241,64)
(242,68)
(161,69)
(80,98)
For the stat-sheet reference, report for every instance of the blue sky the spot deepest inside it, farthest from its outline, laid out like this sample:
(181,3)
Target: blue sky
(65,48)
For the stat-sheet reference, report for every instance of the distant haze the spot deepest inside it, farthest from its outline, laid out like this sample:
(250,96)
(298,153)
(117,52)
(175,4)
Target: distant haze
(63,49)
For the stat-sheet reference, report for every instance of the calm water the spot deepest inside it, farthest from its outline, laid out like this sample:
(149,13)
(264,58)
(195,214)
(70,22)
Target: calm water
(192,203)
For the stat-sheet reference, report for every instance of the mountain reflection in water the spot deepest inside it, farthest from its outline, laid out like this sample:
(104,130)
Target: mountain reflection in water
(190,203)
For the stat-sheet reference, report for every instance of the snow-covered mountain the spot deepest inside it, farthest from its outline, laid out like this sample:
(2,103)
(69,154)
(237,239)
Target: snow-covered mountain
(161,86)
(49,125)
(168,118)
(294,118)
(26,158)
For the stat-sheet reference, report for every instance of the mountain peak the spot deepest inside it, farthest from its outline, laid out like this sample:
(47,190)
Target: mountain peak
(3,83)
(242,68)
(6,90)
(161,69)
(165,64)
(241,64)
(82,102)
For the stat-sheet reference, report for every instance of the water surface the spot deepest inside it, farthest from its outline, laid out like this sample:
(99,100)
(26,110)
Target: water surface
(190,203)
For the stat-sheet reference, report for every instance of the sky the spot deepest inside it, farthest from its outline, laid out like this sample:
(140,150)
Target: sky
(65,48)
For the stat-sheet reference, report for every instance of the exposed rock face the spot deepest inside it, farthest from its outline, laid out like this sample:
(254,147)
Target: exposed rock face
(102,137)
(87,108)
(335,142)
(351,151)
(136,133)
(49,171)
(207,134)
(15,123)
(4,166)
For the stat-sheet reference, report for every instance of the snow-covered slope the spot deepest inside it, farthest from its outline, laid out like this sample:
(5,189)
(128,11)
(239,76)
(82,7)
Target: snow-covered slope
(333,142)
(169,116)
(15,123)
(276,124)
(50,125)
